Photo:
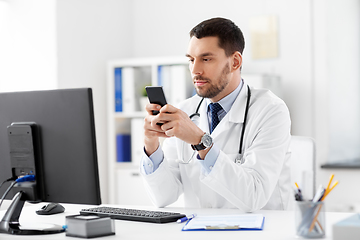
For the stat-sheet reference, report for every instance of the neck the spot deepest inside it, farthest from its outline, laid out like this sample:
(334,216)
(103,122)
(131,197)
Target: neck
(235,78)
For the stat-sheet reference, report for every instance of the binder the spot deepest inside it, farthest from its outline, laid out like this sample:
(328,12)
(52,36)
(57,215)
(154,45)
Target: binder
(128,93)
(118,90)
(123,148)
(176,82)
(164,80)
(249,222)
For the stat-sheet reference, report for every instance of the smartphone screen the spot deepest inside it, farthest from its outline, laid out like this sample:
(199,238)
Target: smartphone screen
(156,95)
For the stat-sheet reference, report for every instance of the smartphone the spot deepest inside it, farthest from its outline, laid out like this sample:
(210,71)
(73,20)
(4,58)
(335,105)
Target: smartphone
(156,95)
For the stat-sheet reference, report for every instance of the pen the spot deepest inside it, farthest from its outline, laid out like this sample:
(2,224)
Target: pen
(298,196)
(319,193)
(186,218)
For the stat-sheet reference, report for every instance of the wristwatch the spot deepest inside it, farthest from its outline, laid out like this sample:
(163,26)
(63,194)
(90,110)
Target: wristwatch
(206,142)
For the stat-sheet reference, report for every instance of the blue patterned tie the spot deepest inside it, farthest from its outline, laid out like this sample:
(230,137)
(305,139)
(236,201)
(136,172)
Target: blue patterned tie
(214,109)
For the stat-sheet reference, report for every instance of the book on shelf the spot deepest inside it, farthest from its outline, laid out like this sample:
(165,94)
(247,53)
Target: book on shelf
(164,80)
(123,148)
(118,90)
(129,99)
(176,82)
(129,85)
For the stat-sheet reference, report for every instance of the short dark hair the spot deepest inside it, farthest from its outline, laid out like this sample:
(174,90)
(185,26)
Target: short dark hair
(231,38)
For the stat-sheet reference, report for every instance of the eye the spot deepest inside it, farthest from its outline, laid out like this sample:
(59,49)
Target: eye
(206,59)
(191,60)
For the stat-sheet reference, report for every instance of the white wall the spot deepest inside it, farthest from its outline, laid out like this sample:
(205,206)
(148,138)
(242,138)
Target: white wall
(90,33)
(344,100)
(27,45)
(337,99)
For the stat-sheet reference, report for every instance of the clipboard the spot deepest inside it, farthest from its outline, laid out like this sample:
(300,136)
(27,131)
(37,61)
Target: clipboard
(248,222)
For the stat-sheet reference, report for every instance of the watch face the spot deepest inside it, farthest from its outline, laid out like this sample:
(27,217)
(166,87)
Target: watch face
(206,140)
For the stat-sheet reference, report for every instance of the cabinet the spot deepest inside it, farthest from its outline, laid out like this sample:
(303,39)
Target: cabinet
(126,80)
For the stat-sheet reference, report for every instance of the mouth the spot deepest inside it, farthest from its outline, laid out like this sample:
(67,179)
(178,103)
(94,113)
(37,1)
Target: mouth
(199,83)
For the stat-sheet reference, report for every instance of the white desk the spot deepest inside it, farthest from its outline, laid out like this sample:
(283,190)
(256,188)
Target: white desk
(278,225)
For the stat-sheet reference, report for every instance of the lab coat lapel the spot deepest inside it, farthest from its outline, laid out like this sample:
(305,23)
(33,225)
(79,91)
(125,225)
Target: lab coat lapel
(237,111)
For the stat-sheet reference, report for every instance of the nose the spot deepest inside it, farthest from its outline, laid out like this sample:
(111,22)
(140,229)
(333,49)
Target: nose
(196,68)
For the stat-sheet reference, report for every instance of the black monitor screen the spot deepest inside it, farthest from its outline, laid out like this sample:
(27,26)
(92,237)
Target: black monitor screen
(65,119)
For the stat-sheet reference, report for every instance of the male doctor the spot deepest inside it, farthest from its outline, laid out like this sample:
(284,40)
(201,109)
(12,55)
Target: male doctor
(200,156)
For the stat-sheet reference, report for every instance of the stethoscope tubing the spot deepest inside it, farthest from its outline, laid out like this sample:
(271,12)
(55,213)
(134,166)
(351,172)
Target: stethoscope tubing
(245,117)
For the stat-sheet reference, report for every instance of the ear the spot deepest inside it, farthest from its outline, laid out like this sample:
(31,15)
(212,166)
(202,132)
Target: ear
(236,61)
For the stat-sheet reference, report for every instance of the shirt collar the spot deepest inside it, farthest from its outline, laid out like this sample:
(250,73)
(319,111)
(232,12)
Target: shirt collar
(228,100)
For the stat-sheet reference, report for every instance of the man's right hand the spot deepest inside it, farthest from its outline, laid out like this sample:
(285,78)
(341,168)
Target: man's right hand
(152,131)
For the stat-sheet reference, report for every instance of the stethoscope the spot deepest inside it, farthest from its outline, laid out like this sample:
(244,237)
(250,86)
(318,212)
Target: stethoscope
(239,157)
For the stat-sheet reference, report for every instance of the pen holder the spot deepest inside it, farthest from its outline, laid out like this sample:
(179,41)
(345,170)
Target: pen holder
(310,219)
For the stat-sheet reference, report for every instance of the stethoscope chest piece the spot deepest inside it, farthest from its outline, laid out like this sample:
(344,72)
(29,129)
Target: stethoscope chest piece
(239,159)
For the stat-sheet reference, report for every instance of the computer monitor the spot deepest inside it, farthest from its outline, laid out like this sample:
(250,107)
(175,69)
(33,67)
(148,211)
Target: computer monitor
(62,126)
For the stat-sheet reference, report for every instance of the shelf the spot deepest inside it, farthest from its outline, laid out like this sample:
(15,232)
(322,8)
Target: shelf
(140,62)
(139,114)
(352,164)
(126,165)
(126,81)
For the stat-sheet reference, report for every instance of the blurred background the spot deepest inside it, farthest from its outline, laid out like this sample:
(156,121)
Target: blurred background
(312,46)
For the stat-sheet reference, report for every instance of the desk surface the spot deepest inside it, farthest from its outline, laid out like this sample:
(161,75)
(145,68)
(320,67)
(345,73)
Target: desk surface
(278,225)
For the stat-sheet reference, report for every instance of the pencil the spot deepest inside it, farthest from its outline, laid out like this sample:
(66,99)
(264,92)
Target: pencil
(331,178)
(329,190)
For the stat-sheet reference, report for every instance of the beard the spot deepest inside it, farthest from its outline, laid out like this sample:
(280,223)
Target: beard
(215,88)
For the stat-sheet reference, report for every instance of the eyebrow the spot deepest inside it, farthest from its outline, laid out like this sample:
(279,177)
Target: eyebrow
(206,54)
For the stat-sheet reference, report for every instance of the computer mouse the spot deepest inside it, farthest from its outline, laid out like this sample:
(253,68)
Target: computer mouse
(51,208)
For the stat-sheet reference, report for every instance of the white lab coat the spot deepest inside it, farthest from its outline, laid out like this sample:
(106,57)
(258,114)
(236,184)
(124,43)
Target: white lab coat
(262,181)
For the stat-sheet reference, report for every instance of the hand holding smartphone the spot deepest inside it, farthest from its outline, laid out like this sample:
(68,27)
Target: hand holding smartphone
(156,95)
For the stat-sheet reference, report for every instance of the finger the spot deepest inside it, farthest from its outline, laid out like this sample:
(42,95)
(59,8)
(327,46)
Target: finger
(152,107)
(170,128)
(150,123)
(163,135)
(156,123)
(168,108)
(169,133)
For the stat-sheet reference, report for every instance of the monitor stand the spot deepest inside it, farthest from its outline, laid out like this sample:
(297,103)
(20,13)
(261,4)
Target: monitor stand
(10,222)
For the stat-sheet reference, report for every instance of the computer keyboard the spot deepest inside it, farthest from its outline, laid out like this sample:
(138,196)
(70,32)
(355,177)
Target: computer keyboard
(133,214)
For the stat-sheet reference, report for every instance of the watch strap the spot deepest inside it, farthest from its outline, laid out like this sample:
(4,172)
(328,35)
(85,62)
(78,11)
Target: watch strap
(198,147)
